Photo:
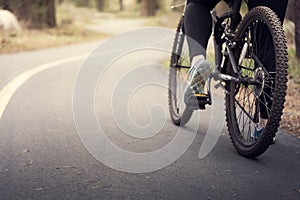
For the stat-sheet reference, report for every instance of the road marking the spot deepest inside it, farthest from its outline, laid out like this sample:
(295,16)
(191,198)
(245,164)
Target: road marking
(9,90)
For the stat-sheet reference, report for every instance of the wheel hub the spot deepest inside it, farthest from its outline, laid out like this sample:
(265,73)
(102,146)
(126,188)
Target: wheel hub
(259,76)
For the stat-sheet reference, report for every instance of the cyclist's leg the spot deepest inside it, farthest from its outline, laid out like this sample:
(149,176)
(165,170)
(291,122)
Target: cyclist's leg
(198,24)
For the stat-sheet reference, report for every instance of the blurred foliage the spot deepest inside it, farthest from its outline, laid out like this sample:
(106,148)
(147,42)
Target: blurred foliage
(36,13)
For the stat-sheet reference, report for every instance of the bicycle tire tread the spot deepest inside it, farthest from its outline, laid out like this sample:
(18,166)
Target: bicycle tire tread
(280,87)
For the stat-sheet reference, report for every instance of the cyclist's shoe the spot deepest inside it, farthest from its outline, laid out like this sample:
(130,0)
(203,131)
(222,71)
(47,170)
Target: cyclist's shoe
(258,132)
(194,96)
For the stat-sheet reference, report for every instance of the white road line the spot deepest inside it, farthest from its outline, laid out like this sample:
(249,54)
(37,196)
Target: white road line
(9,90)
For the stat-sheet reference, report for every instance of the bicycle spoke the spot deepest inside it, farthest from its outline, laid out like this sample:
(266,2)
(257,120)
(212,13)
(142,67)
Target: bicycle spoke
(242,108)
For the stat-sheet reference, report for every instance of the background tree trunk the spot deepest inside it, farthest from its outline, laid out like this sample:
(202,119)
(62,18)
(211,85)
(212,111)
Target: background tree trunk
(86,3)
(100,5)
(290,13)
(121,5)
(149,7)
(23,10)
(51,14)
(297,27)
(6,5)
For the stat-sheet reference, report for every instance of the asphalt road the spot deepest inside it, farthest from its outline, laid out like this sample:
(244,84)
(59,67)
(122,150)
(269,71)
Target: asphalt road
(42,155)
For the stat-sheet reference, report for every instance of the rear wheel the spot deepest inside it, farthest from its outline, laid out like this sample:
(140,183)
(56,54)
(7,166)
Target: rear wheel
(178,77)
(254,106)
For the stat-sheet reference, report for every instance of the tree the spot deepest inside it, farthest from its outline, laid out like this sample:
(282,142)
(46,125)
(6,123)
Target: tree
(6,5)
(37,13)
(121,2)
(149,7)
(297,27)
(51,14)
(294,15)
(100,5)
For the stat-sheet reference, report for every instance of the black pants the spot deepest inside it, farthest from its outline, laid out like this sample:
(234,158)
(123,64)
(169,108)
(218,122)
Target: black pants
(198,22)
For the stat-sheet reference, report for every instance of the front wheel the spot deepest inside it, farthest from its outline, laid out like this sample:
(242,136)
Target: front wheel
(254,106)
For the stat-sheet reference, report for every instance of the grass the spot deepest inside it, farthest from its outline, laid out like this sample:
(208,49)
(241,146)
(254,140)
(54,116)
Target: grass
(39,39)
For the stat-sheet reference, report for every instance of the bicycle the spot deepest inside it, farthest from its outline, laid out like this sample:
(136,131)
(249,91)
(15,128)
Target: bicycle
(252,87)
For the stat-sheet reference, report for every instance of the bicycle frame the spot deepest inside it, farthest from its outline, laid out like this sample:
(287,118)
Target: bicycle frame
(223,33)
(219,29)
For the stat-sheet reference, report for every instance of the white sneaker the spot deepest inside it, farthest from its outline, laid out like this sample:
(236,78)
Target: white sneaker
(198,74)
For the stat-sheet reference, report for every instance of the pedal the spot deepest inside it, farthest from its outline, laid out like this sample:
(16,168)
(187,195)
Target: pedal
(201,95)
(198,101)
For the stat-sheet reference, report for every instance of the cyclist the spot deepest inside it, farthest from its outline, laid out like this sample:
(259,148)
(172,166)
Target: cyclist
(198,27)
